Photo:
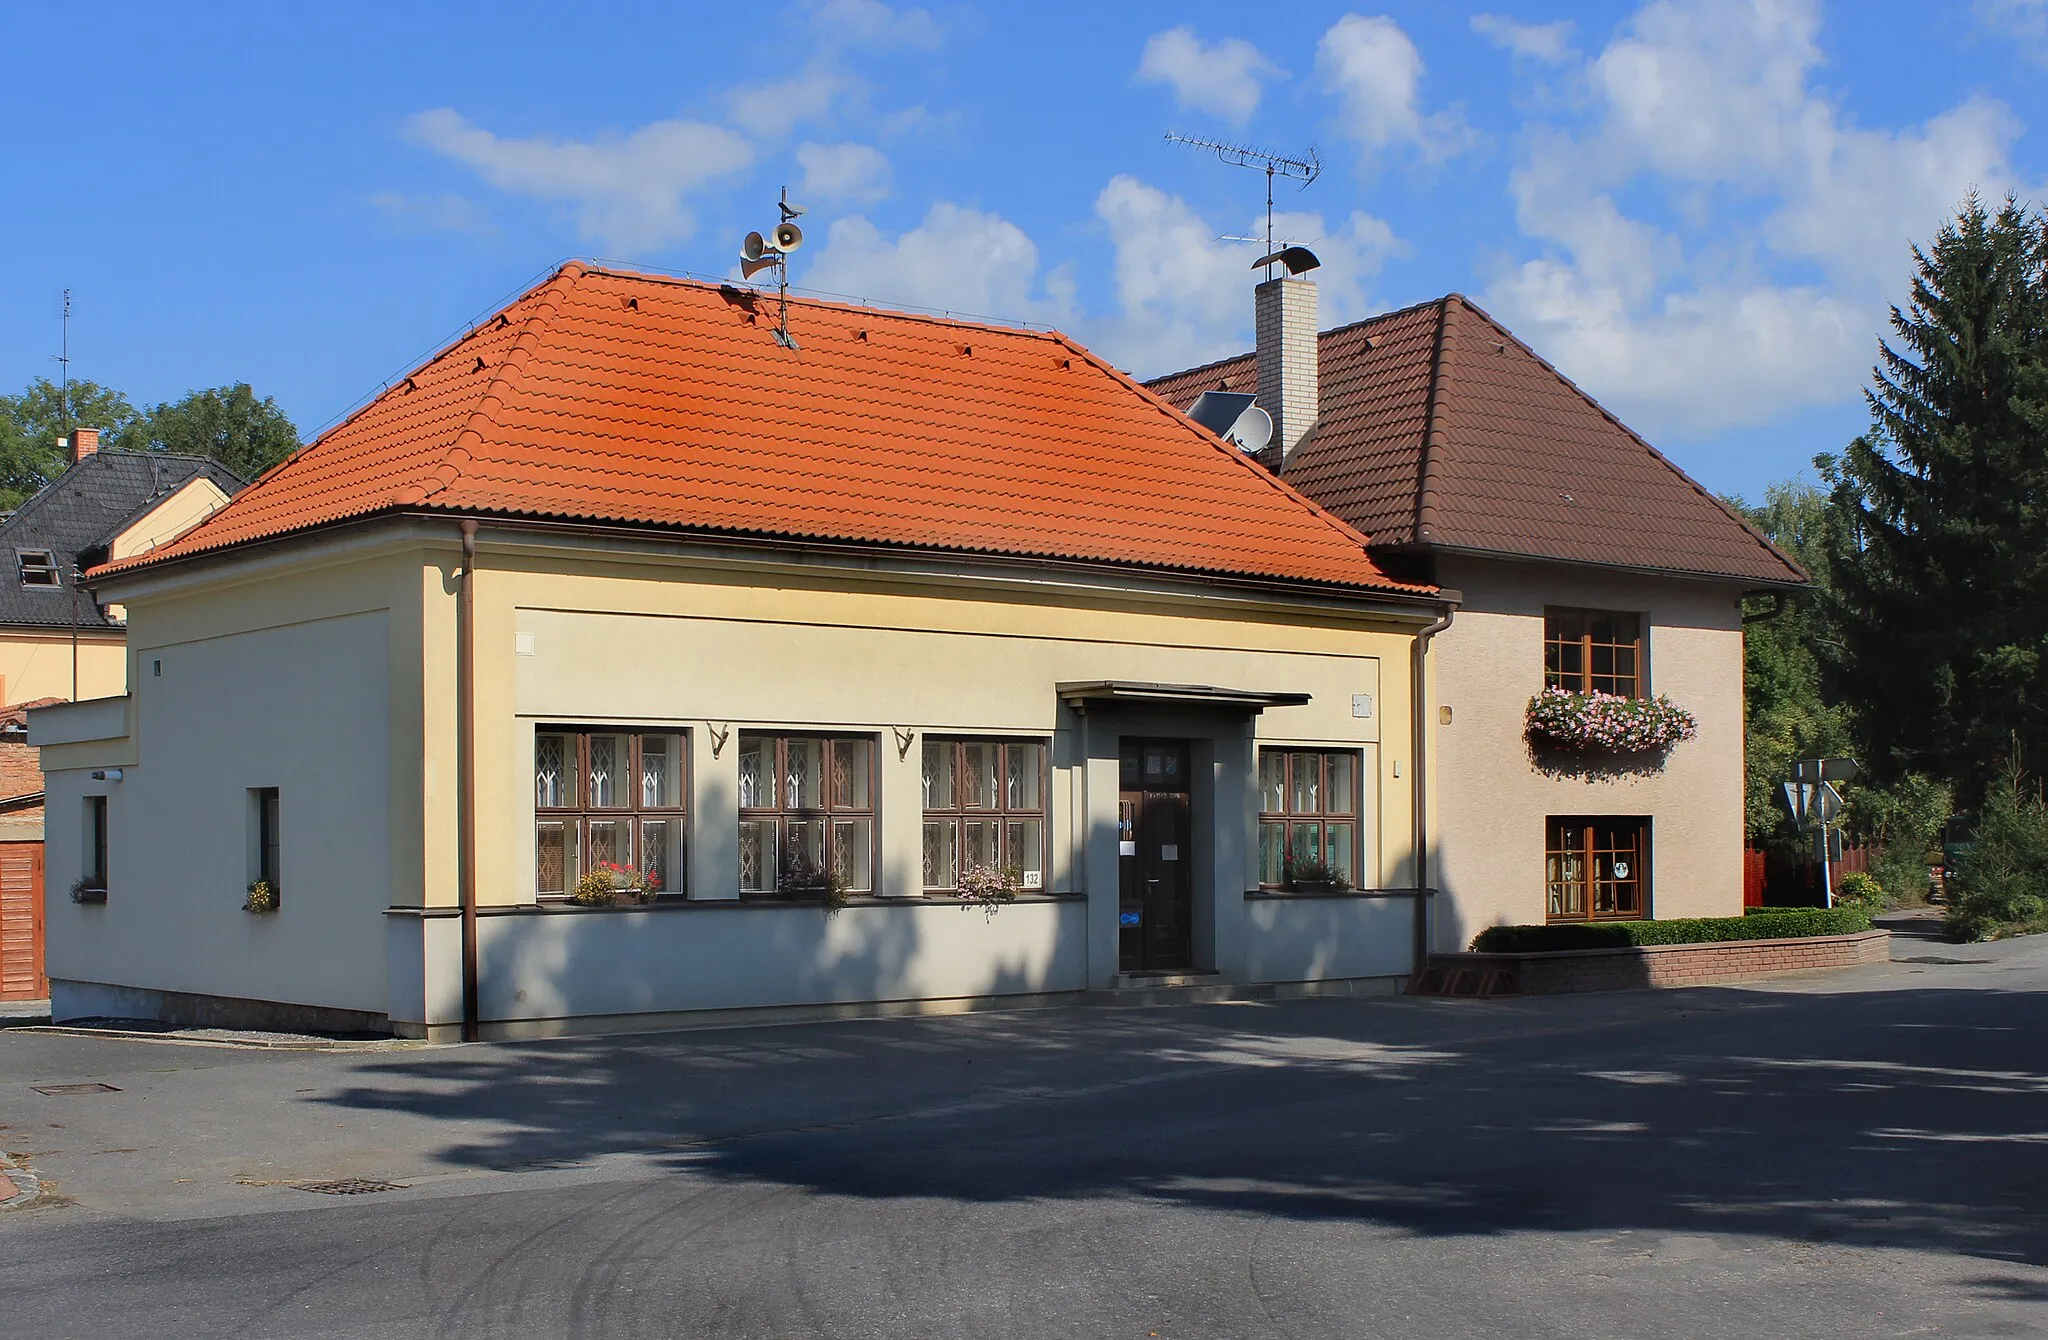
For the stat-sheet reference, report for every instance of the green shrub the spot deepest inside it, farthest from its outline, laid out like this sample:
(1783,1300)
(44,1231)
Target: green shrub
(1861,890)
(2001,885)
(1901,822)
(1763,924)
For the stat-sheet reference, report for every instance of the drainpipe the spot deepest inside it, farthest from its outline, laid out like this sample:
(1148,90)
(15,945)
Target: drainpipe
(465,785)
(1419,698)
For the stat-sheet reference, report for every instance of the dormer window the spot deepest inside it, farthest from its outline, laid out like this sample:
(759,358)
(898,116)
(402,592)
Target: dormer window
(38,567)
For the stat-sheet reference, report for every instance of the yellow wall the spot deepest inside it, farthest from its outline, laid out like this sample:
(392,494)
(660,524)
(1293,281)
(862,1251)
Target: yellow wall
(38,665)
(190,505)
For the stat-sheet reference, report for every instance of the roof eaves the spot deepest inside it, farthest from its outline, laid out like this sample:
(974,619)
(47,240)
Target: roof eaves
(1800,576)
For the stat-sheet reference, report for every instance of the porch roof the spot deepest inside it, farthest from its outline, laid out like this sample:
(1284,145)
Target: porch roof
(1083,692)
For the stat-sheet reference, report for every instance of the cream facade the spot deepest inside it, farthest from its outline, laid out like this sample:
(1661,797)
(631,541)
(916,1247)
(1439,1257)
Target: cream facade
(328,670)
(1496,799)
(41,663)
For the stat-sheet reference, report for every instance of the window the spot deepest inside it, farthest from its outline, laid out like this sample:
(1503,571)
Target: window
(95,871)
(1596,869)
(1593,651)
(263,807)
(1308,812)
(807,809)
(38,567)
(984,804)
(608,795)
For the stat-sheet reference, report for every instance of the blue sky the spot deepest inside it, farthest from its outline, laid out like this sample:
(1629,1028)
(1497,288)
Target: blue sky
(1697,208)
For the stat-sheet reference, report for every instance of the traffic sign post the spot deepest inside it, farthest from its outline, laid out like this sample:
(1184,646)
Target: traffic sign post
(1811,797)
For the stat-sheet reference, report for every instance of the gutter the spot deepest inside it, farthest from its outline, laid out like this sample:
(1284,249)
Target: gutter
(465,786)
(1419,699)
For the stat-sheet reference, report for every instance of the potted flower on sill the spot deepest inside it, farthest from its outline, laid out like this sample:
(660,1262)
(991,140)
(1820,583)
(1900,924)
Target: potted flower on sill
(989,887)
(1311,874)
(606,882)
(262,897)
(85,891)
(801,878)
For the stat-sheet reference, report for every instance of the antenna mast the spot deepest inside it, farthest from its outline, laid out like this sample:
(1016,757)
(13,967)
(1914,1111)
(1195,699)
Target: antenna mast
(1304,169)
(64,371)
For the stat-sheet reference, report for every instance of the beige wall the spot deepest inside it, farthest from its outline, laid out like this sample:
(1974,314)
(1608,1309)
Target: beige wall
(329,671)
(38,665)
(197,500)
(1493,800)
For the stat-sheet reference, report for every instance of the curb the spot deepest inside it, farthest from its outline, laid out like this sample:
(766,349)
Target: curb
(278,1045)
(19,1188)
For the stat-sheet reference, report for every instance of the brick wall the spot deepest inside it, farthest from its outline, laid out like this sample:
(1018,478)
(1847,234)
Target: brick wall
(1572,970)
(21,768)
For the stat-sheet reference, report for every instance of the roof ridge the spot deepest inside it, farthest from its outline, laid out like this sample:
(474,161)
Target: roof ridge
(1433,432)
(1267,477)
(1762,540)
(458,454)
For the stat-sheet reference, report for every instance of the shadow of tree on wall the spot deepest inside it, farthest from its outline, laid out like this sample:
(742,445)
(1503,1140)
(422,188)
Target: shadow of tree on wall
(1893,1118)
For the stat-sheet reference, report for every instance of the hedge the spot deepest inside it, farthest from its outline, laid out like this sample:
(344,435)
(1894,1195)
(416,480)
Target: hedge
(1785,924)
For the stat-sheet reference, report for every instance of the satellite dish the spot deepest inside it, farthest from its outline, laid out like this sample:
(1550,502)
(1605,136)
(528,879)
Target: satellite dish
(753,247)
(1252,431)
(788,237)
(1298,260)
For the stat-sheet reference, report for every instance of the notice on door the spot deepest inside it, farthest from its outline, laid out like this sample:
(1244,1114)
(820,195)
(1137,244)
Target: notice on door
(1169,852)
(1127,849)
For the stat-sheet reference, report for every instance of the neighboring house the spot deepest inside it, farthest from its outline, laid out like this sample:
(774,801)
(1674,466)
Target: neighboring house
(58,642)
(624,576)
(1584,559)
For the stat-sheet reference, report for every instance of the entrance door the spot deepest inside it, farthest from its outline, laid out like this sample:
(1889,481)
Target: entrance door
(21,922)
(1155,914)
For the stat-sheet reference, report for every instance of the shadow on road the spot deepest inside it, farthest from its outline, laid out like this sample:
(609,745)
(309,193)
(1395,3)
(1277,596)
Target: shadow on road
(1897,1118)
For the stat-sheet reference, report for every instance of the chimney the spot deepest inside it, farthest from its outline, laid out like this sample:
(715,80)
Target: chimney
(84,442)
(1288,371)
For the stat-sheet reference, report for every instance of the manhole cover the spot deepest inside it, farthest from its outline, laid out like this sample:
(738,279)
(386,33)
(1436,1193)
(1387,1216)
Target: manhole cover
(349,1186)
(59,1090)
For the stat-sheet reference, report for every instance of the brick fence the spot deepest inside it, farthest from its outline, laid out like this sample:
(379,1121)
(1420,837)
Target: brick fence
(1557,971)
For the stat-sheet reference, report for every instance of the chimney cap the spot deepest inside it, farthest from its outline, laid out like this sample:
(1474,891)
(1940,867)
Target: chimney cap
(1298,260)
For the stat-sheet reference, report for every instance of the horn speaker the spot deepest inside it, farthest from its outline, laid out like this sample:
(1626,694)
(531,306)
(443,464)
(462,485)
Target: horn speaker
(788,237)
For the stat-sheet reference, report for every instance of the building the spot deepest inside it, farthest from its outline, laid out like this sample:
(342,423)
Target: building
(1585,561)
(778,609)
(58,642)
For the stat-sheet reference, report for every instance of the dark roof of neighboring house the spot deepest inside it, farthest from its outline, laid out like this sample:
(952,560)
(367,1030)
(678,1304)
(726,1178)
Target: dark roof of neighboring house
(619,398)
(1438,429)
(78,514)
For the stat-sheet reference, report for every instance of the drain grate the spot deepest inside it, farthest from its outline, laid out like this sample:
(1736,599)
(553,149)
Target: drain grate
(349,1186)
(59,1090)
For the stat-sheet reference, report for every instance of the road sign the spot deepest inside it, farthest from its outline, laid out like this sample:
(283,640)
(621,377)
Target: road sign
(1827,802)
(1825,770)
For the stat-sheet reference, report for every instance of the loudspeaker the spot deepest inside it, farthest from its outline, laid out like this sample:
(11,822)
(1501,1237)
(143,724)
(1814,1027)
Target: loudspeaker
(788,237)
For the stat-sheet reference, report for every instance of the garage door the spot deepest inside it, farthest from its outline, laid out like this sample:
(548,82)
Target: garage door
(21,922)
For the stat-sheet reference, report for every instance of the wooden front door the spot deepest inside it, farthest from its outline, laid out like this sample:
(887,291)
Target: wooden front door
(21,922)
(1155,913)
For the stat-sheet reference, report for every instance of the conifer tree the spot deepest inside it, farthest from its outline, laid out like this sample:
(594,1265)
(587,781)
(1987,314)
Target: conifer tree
(1939,528)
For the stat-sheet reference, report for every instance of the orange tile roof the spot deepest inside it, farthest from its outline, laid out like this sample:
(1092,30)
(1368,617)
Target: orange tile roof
(626,398)
(1437,428)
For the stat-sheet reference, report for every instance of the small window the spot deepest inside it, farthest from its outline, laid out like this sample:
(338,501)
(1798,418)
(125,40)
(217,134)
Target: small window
(1593,651)
(807,813)
(263,812)
(984,804)
(38,567)
(608,796)
(1308,814)
(1596,869)
(95,854)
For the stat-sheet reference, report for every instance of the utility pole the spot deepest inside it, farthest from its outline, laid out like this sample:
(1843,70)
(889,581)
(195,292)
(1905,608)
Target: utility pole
(64,376)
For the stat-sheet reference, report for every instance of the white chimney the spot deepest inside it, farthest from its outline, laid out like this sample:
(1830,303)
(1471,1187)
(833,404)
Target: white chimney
(1287,357)
(84,442)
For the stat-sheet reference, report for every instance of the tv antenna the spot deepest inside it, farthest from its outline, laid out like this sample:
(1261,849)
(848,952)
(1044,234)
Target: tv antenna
(758,253)
(63,361)
(1304,169)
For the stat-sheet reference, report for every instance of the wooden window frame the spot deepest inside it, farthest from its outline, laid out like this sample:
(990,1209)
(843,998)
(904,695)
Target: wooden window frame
(1561,644)
(1288,818)
(580,815)
(1003,814)
(783,815)
(1574,893)
(44,565)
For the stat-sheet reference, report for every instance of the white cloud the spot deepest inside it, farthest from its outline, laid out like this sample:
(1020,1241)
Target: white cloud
(628,191)
(1376,73)
(2026,20)
(443,212)
(772,110)
(1225,78)
(854,173)
(1721,240)
(958,260)
(1184,297)
(873,24)
(1531,41)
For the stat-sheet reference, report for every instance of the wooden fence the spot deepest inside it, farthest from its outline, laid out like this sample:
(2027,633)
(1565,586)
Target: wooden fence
(1772,880)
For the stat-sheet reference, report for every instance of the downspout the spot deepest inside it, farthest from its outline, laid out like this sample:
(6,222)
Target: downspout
(465,785)
(1419,699)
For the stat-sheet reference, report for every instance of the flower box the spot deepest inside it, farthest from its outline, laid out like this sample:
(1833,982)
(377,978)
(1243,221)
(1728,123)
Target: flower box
(1606,723)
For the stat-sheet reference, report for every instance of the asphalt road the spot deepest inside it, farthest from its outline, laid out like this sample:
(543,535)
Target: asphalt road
(1864,1154)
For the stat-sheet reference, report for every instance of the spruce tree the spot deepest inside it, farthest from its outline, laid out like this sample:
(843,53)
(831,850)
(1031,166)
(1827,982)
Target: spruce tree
(1939,534)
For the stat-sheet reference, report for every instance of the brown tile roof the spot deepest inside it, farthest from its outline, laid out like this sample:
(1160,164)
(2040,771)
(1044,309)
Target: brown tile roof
(1439,429)
(625,398)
